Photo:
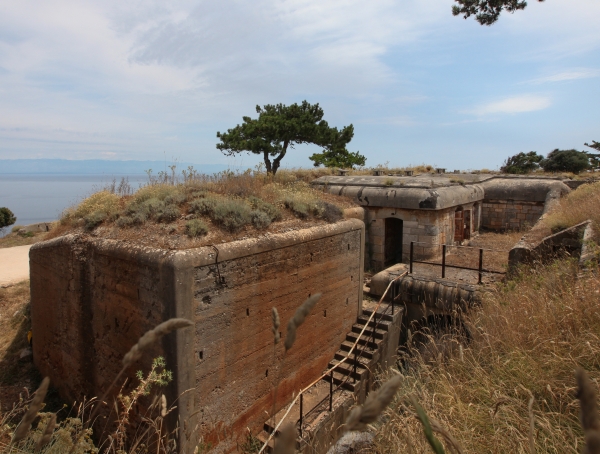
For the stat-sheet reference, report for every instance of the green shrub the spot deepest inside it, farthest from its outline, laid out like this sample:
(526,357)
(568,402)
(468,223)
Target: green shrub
(566,161)
(231,215)
(7,217)
(125,221)
(298,207)
(26,234)
(522,163)
(260,219)
(196,227)
(93,220)
(169,213)
(100,202)
(203,206)
(175,199)
(330,212)
(271,210)
(16,228)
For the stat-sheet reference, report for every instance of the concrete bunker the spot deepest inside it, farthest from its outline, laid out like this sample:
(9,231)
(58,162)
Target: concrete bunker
(92,298)
(438,209)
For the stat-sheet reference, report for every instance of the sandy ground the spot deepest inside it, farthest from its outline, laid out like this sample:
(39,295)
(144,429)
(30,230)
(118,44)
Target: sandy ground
(14,264)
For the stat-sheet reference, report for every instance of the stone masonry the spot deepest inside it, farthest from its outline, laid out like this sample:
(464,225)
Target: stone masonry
(510,214)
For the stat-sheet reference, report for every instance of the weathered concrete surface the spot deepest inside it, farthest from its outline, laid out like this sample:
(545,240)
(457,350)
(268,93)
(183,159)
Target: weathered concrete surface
(14,264)
(92,299)
(528,250)
(380,281)
(39,227)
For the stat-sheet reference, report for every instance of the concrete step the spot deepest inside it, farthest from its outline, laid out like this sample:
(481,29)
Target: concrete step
(363,341)
(263,436)
(379,323)
(368,333)
(339,378)
(364,356)
(387,316)
(347,345)
(347,368)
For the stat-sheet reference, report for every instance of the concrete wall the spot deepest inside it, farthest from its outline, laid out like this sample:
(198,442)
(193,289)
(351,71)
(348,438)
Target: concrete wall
(510,214)
(429,228)
(91,299)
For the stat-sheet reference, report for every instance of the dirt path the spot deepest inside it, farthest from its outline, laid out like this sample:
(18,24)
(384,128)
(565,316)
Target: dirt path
(14,264)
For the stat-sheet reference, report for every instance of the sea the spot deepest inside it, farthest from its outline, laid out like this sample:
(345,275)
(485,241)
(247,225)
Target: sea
(42,198)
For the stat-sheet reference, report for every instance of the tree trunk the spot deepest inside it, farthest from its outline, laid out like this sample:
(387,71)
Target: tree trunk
(267,162)
(277,160)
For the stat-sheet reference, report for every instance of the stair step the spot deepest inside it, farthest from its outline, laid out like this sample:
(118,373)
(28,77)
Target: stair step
(363,341)
(380,324)
(347,345)
(364,356)
(347,368)
(379,333)
(263,436)
(387,316)
(338,379)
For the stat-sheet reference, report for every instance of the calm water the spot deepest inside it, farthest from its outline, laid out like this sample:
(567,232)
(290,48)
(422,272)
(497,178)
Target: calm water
(41,198)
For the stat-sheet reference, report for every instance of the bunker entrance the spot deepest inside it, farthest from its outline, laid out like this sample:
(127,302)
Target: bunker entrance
(393,241)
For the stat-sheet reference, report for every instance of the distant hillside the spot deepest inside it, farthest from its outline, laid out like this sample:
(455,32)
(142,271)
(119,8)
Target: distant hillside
(97,167)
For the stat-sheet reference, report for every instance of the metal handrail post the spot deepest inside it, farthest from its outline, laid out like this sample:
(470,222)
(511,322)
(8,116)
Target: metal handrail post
(443,261)
(480,265)
(331,393)
(412,247)
(301,405)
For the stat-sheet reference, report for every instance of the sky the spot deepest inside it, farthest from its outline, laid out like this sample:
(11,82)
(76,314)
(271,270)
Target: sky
(154,80)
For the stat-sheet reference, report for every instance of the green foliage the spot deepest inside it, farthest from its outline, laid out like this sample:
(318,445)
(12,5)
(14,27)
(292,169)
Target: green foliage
(435,444)
(260,219)
(522,163)
(279,127)
(232,215)
(303,208)
(566,161)
(196,227)
(594,158)
(338,158)
(7,217)
(487,12)
(203,206)
(271,210)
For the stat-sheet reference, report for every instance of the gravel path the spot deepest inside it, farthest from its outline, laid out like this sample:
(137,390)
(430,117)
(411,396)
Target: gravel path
(14,264)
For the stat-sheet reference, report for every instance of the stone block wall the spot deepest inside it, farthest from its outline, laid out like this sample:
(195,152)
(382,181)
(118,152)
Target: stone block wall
(91,299)
(429,228)
(510,214)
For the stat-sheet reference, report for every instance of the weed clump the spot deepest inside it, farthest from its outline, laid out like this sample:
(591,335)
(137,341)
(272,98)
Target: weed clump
(195,228)
(232,215)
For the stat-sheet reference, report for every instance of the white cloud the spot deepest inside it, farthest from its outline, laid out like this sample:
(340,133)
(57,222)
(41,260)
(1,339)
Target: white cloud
(567,75)
(513,105)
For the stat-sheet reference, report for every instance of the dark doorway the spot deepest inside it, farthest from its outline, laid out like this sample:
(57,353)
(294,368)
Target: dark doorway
(467,224)
(393,241)
(459,225)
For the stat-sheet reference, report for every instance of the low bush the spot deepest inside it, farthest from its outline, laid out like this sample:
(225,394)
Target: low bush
(232,215)
(101,203)
(271,210)
(169,213)
(196,227)
(204,205)
(260,219)
(16,228)
(93,220)
(330,212)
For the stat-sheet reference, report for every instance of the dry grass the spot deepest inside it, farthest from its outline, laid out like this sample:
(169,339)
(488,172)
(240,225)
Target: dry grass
(16,239)
(576,207)
(227,206)
(526,342)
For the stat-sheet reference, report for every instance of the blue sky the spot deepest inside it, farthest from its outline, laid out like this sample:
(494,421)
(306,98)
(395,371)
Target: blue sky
(149,79)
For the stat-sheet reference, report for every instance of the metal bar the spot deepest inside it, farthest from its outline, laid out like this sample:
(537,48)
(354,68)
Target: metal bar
(464,247)
(331,393)
(393,289)
(355,359)
(480,265)
(301,405)
(460,267)
(412,244)
(443,261)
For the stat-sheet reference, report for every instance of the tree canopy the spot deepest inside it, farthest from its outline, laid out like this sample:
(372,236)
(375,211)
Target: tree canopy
(487,12)
(594,158)
(566,161)
(522,163)
(6,217)
(279,127)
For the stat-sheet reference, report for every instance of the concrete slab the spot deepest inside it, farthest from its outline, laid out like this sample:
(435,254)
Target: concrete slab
(14,264)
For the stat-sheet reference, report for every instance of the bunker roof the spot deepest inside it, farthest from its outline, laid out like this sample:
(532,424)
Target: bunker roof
(438,191)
